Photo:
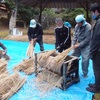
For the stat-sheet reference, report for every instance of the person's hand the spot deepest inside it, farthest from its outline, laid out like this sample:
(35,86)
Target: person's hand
(3,52)
(61,44)
(31,42)
(58,48)
(34,40)
(76,45)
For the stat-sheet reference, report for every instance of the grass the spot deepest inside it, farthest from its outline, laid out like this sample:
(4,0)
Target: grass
(4,33)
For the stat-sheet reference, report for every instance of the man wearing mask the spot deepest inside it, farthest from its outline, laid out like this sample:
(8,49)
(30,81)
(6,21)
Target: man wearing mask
(95,48)
(62,36)
(81,41)
(35,33)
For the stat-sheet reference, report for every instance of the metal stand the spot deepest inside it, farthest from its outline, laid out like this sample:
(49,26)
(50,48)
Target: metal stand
(72,76)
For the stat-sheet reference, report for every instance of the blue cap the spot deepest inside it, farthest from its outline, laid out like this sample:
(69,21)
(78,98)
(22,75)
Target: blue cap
(79,18)
(67,24)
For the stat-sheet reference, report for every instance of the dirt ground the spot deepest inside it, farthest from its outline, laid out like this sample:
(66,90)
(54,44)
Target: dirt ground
(50,39)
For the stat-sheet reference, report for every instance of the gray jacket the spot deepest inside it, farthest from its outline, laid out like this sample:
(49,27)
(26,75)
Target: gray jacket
(82,35)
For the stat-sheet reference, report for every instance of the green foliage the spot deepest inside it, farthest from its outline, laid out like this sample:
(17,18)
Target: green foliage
(25,13)
(48,17)
(10,4)
(70,14)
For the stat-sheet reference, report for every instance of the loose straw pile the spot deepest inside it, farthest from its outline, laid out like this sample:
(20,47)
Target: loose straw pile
(26,66)
(47,81)
(10,84)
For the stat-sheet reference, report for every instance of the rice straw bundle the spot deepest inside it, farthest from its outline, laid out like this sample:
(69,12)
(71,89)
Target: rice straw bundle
(3,65)
(26,66)
(30,50)
(29,70)
(55,63)
(3,75)
(42,57)
(10,85)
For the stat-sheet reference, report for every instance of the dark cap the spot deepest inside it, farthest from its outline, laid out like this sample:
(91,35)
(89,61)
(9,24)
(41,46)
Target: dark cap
(95,6)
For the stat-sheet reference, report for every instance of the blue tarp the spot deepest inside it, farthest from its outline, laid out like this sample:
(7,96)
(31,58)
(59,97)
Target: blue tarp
(17,52)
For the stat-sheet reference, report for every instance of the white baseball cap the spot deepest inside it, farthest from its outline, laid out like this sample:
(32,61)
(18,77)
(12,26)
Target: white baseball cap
(33,23)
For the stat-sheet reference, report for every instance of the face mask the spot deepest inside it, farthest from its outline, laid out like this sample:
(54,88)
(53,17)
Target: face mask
(94,16)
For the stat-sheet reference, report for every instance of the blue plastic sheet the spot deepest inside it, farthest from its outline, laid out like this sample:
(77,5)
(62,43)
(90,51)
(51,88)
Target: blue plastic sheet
(17,52)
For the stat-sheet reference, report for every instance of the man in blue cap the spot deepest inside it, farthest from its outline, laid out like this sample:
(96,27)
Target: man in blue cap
(81,41)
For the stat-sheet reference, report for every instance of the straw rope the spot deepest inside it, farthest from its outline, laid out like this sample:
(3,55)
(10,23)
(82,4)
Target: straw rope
(30,50)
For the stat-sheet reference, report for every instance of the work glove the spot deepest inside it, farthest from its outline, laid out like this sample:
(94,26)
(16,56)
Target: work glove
(60,46)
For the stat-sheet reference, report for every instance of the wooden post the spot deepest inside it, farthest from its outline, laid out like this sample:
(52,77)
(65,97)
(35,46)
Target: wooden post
(64,76)
(35,63)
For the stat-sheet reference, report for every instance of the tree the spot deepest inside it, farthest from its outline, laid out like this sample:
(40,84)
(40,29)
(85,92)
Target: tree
(48,17)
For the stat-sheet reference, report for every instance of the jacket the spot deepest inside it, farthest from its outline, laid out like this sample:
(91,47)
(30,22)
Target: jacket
(35,32)
(62,36)
(82,35)
(95,37)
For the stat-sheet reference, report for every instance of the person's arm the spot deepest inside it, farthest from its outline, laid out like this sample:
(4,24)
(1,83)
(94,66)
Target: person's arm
(87,39)
(74,40)
(56,39)
(29,34)
(3,47)
(67,36)
(95,42)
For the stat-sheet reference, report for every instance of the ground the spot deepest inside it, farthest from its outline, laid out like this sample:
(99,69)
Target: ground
(46,38)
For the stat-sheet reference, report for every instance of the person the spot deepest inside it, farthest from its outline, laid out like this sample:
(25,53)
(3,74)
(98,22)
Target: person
(95,48)
(3,53)
(67,24)
(80,42)
(62,36)
(35,34)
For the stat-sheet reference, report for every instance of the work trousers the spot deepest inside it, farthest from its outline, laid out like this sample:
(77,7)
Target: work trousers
(84,52)
(96,68)
(40,42)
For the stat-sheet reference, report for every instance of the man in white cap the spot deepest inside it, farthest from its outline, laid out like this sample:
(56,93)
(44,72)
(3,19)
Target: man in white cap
(81,41)
(35,33)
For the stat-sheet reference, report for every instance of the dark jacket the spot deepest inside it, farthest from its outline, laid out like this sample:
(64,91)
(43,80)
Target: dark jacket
(35,32)
(95,38)
(62,36)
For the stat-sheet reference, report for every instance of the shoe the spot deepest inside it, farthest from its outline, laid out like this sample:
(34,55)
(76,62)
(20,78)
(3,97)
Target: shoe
(91,85)
(91,89)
